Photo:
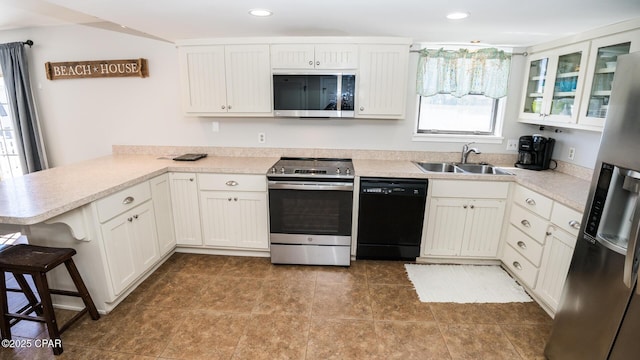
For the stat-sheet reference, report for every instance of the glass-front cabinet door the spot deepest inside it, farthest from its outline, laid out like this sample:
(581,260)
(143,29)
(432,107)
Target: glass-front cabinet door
(553,85)
(566,84)
(535,86)
(601,70)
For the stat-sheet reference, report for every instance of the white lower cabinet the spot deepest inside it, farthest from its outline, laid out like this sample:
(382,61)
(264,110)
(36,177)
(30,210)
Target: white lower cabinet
(131,245)
(220,210)
(234,211)
(540,242)
(465,218)
(555,266)
(558,251)
(186,208)
(234,219)
(161,195)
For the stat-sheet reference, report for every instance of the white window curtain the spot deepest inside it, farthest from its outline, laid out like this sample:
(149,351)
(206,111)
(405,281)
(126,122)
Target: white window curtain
(463,72)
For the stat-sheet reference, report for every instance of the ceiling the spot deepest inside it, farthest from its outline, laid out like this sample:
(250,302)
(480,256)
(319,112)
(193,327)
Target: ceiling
(494,22)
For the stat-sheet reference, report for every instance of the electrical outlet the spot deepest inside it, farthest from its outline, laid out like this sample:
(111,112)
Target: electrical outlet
(215,126)
(262,138)
(572,153)
(512,144)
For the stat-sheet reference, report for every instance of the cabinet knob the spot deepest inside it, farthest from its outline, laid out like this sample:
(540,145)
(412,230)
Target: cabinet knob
(522,245)
(530,201)
(361,108)
(464,206)
(525,223)
(575,224)
(129,219)
(317,63)
(229,107)
(231,183)
(223,107)
(191,179)
(228,199)
(310,62)
(472,206)
(135,216)
(235,199)
(517,265)
(128,200)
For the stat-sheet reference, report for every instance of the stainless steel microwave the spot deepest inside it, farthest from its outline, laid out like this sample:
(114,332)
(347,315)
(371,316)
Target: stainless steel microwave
(315,95)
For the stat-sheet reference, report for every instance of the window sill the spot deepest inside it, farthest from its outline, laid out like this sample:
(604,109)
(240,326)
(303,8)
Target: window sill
(480,139)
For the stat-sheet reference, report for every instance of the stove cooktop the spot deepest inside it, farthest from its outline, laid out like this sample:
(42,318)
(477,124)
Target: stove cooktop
(312,167)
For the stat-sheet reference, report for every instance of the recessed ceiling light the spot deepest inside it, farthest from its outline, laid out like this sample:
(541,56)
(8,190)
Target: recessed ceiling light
(475,41)
(260,12)
(457,15)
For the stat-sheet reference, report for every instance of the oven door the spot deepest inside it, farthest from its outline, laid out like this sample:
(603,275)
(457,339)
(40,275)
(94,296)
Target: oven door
(300,207)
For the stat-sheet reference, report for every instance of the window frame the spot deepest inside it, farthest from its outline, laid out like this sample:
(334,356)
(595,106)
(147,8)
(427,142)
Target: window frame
(494,138)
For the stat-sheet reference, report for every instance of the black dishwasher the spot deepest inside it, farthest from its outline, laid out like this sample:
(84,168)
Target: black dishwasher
(390,218)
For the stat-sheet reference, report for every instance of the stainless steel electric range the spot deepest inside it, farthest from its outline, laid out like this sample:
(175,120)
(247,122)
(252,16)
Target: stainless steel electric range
(310,211)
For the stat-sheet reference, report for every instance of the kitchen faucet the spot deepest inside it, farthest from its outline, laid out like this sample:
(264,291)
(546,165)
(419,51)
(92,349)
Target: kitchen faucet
(466,151)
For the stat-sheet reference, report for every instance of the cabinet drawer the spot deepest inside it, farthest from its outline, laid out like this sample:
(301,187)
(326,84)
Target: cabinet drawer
(525,245)
(232,182)
(529,223)
(566,218)
(533,201)
(122,201)
(520,267)
(470,189)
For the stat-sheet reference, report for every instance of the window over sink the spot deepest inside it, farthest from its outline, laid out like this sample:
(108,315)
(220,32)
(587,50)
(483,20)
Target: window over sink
(461,94)
(447,114)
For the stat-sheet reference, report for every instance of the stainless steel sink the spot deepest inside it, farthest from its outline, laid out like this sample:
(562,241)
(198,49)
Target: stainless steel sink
(482,169)
(444,167)
(438,167)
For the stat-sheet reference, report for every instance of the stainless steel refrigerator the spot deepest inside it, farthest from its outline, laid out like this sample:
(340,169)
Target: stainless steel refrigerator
(599,314)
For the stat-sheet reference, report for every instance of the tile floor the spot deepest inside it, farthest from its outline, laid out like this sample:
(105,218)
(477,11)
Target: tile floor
(219,307)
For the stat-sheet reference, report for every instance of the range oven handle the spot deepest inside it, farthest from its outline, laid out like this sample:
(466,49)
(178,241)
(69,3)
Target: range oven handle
(310,185)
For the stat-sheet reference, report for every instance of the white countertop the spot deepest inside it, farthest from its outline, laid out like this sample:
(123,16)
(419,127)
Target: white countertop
(40,196)
(569,190)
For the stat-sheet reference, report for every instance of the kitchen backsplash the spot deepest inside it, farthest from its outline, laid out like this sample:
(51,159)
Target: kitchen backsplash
(505,160)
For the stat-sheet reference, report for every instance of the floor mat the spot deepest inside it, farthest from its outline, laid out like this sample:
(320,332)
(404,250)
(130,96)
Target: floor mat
(465,284)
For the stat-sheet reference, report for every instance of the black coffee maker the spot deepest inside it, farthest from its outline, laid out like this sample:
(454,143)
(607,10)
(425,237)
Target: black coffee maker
(534,152)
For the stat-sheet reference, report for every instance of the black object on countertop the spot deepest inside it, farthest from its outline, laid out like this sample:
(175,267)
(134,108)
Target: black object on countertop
(189,157)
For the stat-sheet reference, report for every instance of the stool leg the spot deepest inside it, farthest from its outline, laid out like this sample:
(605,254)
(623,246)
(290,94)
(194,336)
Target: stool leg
(47,308)
(82,289)
(28,293)
(5,328)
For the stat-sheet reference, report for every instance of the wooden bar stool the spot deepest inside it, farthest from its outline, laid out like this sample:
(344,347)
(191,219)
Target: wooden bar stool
(37,261)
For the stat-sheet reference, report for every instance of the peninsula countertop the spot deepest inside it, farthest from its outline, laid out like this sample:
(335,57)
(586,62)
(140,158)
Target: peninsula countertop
(40,196)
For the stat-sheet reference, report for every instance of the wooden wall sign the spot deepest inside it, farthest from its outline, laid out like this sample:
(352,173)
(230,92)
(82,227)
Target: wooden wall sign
(97,69)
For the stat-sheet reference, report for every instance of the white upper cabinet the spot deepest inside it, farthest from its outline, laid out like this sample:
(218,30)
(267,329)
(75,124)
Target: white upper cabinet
(570,86)
(382,81)
(229,80)
(233,77)
(600,70)
(310,56)
(553,85)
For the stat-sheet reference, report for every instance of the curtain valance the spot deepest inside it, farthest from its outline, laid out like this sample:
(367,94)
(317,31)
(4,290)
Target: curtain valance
(463,72)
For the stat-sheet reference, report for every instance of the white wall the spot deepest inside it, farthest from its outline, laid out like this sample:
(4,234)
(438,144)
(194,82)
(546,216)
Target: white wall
(82,118)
